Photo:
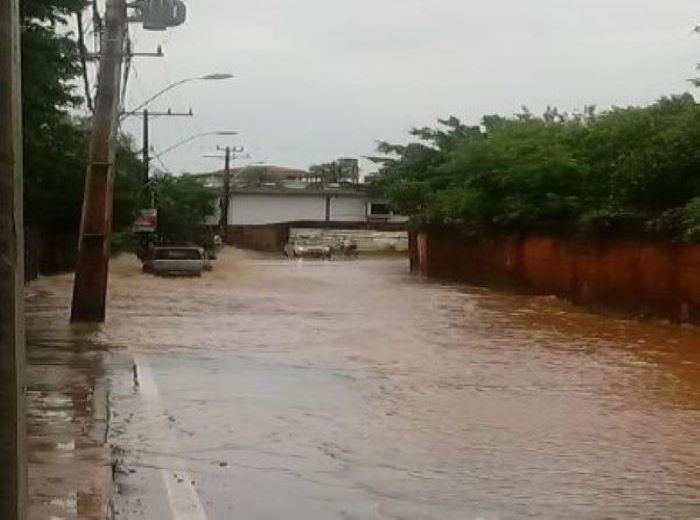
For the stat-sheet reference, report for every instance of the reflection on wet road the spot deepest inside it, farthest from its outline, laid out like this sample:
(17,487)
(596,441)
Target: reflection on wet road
(353,390)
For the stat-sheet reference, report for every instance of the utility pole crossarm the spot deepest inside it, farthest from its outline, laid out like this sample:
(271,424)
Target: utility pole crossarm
(146,151)
(167,113)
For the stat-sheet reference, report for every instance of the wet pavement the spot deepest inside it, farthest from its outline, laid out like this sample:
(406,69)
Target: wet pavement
(275,389)
(70,474)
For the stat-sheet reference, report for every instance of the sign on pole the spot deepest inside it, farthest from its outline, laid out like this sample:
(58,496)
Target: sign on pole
(146,222)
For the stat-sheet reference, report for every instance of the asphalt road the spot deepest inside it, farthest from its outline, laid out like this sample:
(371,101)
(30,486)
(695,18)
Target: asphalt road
(277,389)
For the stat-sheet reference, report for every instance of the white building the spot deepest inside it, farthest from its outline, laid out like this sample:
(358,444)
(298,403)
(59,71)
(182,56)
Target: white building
(251,207)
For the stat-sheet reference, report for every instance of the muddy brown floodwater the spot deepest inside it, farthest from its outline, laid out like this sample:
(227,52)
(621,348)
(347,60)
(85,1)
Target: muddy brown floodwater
(352,389)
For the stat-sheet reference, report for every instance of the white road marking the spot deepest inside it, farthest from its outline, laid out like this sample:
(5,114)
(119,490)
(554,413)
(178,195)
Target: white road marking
(182,497)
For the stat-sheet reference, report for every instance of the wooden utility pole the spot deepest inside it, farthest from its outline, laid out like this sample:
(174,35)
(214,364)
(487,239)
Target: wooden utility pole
(90,286)
(13,453)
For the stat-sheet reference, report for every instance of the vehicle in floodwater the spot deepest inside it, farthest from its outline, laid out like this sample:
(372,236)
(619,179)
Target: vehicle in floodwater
(307,250)
(176,261)
(301,249)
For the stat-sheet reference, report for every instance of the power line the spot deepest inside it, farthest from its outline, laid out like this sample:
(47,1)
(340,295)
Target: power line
(160,161)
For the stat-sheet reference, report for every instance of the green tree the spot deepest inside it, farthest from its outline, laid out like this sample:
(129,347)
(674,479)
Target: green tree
(54,143)
(55,139)
(342,170)
(633,169)
(183,205)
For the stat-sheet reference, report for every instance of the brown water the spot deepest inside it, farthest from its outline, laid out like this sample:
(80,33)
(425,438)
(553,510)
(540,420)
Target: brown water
(411,399)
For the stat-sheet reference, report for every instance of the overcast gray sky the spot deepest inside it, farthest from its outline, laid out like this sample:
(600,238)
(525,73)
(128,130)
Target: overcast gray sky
(319,79)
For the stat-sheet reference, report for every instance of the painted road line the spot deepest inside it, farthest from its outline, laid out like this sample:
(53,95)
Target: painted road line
(182,496)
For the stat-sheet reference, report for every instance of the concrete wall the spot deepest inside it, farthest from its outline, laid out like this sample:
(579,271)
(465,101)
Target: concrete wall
(273,237)
(642,277)
(349,209)
(270,237)
(256,209)
(367,240)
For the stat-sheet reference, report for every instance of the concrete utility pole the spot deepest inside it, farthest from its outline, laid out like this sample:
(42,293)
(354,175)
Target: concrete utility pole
(13,453)
(146,148)
(229,155)
(227,194)
(146,151)
(90,286)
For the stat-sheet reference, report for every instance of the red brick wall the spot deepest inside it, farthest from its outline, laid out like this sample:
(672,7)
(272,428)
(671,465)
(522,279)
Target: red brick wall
(662,279)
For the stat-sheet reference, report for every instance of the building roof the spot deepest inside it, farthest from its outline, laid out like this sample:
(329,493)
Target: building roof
(333,192)
(278,172)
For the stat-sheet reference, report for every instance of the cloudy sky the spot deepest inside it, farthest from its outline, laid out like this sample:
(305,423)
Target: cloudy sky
(320,79)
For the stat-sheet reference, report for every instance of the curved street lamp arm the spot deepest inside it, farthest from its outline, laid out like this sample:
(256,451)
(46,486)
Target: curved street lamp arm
(183,142)
(192,138)
(156,95)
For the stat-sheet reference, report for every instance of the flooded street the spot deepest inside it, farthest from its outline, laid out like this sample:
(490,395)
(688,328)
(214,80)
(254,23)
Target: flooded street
(350,389)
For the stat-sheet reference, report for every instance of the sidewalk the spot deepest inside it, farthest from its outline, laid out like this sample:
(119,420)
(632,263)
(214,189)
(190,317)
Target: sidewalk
(70,474)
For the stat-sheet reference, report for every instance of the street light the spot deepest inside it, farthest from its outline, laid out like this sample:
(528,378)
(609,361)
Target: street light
(216,77)
(192,138)
(208,77)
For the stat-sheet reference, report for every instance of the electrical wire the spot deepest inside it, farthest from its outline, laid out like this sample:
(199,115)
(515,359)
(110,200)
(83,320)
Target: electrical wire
(160,161)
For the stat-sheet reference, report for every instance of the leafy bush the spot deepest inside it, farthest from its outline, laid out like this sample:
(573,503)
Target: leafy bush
(183,205)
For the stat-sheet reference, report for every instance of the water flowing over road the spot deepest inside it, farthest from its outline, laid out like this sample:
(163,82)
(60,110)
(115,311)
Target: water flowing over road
(350,389)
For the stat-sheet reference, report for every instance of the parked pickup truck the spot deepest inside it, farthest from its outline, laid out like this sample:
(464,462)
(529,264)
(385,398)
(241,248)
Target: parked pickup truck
(176,261)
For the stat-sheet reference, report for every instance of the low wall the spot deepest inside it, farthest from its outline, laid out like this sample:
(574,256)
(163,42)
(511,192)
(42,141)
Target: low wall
(273,237)
(366,240)
(660,279)
(270,237)
(47,254)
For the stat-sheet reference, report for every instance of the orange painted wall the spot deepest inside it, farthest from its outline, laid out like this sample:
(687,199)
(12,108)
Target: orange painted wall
(654,278)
